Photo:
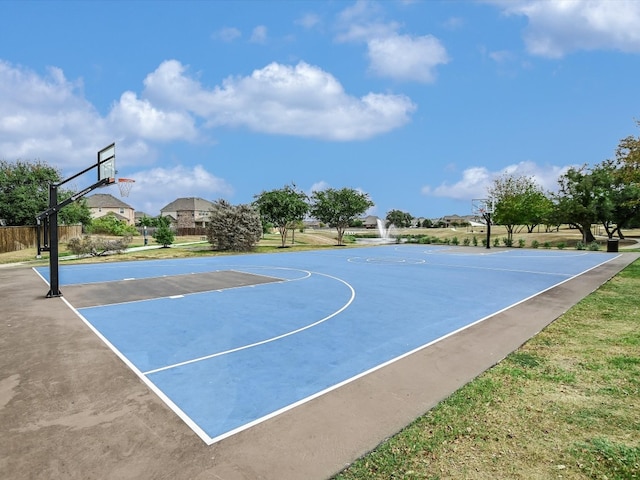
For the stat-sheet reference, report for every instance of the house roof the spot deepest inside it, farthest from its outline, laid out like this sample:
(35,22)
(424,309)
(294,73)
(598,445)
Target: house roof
(139,214)
(188,203)
(104,200)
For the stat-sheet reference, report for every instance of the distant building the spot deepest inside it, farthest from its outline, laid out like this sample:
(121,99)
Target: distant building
(102,204)
(371,221)
(188,212)
(140,215)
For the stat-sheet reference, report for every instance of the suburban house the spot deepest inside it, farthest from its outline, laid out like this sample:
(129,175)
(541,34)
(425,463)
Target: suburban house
(101,204)
(371,221)
(140,215)
(188,212)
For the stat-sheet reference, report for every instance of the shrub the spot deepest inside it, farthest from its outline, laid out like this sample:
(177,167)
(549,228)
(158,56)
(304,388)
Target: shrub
(484,242)
(235,227)
(561,245)
(579,246)
(97,246)
(474,241)
(546,245)
(535,243)
(455,241)
(594,246)
(521,243)
(110,225)
(496,242)
(466,241)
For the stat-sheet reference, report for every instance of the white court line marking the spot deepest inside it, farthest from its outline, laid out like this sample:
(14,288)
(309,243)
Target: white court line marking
(268,340)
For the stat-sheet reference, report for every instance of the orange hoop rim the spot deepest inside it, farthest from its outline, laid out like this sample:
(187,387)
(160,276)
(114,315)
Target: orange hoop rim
(125,185)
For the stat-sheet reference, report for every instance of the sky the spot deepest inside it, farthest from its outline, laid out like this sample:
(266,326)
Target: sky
(420,104)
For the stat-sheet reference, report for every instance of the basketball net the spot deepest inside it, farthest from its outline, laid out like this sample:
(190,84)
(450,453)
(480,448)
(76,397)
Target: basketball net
(124,185)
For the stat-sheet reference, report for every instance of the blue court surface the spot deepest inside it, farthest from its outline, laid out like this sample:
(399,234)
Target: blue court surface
(225,359)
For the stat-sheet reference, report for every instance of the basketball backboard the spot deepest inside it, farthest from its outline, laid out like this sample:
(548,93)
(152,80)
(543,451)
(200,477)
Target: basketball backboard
(481,206)
(107,163)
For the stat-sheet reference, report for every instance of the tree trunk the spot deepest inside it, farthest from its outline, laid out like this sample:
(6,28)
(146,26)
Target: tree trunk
(587,236)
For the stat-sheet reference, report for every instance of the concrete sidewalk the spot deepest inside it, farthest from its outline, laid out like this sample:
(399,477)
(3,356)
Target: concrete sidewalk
(69,408)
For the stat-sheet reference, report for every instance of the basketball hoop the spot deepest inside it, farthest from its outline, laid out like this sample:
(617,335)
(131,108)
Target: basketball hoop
(125,184)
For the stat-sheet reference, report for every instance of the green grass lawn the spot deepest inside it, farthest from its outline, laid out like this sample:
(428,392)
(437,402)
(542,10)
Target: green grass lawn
(565,405)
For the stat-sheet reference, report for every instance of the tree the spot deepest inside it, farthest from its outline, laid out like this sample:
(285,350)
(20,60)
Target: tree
(109,224)
(282,208)
(74,213)
(577,201)
(518,202)
(398,218)
(608,193)
(164,235)
(233,228)
(24,193)
(625,185)
(24,190)
(337,208)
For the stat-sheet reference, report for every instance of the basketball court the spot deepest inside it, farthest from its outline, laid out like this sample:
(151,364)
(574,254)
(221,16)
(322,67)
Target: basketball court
(229,342)
(259,366)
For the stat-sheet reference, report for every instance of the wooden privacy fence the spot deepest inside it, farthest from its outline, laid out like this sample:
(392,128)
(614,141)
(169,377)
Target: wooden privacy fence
(19,238)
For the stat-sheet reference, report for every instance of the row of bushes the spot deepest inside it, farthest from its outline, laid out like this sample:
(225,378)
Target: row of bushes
(426,239)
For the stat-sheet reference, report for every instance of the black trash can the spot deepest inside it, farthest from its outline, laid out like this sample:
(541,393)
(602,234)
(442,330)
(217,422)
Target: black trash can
(612,245)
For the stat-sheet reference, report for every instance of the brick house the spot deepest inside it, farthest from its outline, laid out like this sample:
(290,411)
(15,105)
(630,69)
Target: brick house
(188,212)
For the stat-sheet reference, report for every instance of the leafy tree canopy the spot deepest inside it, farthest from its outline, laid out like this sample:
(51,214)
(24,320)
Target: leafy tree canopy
(282,208)
(24,193)
(24,190)
(398,218)
(518,201)
(338,208)
(577,201)
(74,213)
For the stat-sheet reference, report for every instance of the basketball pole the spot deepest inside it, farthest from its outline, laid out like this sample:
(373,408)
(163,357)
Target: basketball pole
(487,217)
(50,218)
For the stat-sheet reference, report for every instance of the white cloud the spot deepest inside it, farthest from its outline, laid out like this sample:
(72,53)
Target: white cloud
(317,187)
(132,116)
(156,187)
(301,100)
(392,55)
(259,34)
(501,56)
(407,58)
(476,181)
(557,28)
(47,118)
(309,21)
(228,34)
